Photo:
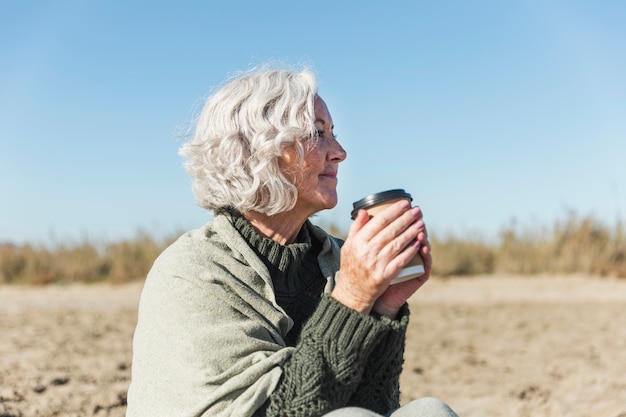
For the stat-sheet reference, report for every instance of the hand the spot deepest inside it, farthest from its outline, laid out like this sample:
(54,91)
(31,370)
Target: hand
(390,302)
(374,253)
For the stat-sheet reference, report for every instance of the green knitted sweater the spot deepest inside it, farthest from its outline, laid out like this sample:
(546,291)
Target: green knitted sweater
(347,377)
(232,324)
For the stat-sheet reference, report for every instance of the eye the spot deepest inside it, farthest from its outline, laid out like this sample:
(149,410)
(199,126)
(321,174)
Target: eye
(320,134)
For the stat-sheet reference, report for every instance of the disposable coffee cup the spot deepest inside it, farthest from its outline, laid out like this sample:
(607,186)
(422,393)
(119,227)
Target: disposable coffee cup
(374,204)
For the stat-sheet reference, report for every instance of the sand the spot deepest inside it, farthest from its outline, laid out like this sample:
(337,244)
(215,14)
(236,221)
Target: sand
(489,346)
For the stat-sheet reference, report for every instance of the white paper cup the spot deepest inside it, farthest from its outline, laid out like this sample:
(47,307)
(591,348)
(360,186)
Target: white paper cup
(375,203)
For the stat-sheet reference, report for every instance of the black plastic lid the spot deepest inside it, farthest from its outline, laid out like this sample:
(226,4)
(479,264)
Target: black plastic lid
(373,199)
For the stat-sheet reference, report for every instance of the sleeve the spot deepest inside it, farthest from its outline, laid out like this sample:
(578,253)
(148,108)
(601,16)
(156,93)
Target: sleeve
(330,362)
(379,390)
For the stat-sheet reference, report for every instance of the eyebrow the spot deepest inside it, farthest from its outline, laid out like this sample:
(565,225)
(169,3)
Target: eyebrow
(323,122)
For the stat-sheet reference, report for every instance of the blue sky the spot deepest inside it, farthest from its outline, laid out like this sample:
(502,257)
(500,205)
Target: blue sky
(486,111)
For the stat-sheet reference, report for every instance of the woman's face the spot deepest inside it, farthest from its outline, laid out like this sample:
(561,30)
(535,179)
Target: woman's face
(316,178)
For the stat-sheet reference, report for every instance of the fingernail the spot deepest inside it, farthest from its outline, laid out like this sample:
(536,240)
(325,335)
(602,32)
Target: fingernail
(405,204)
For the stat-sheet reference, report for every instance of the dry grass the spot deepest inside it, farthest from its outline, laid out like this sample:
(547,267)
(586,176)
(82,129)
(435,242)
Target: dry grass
(574,245)
(86,262)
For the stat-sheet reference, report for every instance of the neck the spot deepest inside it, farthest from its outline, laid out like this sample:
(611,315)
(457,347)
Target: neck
(282,228)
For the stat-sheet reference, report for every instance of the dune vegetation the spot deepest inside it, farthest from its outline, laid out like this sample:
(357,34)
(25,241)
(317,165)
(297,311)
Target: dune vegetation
(573,245)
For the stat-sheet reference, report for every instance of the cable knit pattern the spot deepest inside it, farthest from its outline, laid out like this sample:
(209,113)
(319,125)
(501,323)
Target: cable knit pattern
(332,366)
(379,390)
(219,335)
(329,362)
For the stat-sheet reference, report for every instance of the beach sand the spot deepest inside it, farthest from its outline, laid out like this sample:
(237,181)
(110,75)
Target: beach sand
(489,346)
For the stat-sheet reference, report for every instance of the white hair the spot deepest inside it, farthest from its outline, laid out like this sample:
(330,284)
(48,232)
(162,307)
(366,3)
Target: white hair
(233,156)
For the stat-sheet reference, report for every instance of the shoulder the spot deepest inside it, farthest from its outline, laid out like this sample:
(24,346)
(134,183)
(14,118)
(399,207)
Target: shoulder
(194,247)
(214,253)
(205,253)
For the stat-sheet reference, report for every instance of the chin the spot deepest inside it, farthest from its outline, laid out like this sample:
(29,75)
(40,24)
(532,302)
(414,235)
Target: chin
(329,204)
(319,201)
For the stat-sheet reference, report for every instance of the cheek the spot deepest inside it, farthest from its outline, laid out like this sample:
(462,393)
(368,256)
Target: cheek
(288,165)
(305,175)
(314,160)
(303,178)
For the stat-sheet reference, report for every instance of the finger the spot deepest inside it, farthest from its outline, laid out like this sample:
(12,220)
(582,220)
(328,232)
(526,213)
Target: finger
(406,225)
(385,218)
(423,225)
(401,259)
(422,236)
(360,220)
(405,241)
(426,253)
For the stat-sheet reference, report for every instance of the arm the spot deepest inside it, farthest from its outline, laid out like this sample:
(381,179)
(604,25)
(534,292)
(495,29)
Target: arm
(329,362)
(379,389)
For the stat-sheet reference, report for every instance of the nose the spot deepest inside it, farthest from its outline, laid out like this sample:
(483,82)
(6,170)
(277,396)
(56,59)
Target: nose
(337,153)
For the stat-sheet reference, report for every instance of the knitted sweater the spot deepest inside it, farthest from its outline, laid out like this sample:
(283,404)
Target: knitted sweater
(211,337)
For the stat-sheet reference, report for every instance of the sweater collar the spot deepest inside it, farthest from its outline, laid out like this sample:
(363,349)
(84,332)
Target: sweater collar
(284,262)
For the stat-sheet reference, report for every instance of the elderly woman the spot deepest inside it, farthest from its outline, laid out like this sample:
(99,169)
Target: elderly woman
(259,312)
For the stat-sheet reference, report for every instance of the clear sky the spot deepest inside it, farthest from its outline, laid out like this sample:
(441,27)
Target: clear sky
(486,111)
